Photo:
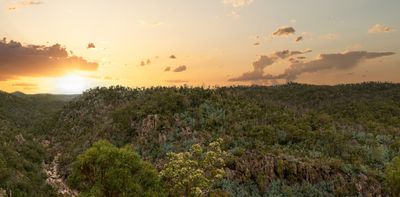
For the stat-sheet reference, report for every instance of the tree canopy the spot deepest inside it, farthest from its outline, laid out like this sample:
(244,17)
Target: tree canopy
(105,170)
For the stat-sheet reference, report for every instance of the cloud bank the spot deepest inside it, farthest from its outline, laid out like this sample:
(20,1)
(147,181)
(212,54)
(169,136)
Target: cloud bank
(339,61)
(38,61)
(265,61)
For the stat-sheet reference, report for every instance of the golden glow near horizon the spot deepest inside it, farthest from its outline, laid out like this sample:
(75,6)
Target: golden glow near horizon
(72,84)
(210,42)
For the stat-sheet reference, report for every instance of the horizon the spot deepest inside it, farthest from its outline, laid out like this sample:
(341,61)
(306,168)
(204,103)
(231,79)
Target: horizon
(203,87)
(68,47)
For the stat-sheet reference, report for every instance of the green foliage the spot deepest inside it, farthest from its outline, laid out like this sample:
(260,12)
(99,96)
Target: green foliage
(21,163)
(105,170)
(279,189)
(194,173)
(393,176)
(300,135)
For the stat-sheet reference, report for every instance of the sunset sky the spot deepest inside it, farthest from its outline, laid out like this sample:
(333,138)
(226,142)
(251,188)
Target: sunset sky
(66,46)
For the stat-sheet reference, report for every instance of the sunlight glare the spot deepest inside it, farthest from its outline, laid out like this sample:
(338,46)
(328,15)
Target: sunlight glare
(71,84)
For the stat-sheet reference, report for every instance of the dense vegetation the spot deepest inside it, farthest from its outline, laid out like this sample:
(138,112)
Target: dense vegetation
(289,140)
(21,156)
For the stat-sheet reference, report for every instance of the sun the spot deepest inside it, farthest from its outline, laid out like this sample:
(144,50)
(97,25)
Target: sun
(71,84)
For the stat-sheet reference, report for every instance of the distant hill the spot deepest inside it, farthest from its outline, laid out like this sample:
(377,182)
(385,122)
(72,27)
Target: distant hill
(25,110)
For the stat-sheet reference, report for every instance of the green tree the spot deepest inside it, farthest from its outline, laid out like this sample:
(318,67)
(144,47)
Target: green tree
(393,176)
(105,170)
(194,173)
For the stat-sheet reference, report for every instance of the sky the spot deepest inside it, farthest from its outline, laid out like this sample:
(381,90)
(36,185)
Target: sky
(67,46)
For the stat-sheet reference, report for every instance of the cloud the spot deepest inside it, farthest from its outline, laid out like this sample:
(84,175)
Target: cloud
(339,61)
(38,61)
(145,62)
(151,24)
(172,57)
(265,61)
(167,69)
(299,39)
(91,46)
(329,37)
(238,3)
(23,84)
(23,4)
(284,31)
(177,81)
(180,68)
(378,28)
(256,43)
(287,53)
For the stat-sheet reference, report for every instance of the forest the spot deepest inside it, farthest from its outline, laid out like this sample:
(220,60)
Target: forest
(285,140)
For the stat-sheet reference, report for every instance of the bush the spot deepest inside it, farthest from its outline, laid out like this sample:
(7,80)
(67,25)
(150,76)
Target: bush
(393,176)
(105,170)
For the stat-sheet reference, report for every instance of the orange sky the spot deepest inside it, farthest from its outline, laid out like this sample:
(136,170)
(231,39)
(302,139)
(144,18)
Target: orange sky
(61,46)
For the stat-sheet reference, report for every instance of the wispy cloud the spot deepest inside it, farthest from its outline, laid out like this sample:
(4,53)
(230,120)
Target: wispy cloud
(238,3)
(379,28)
(177,81)
(23,4)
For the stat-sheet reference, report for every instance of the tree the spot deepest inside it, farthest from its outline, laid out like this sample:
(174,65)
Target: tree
(194,173)
(105,170)
(393,175)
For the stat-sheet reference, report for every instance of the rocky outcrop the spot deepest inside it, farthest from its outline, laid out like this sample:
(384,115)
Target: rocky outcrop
(267,168)
(54,179)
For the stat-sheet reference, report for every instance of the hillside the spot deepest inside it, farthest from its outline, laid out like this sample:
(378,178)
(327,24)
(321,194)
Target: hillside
(289,140)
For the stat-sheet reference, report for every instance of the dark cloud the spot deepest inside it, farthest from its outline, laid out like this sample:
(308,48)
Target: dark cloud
(180,68)
(339,61)
(177,81)
(299,39)
(38,61)
(91,46)
(172,57)
(265,61)
(256,44)
(284,31)
(167,69)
